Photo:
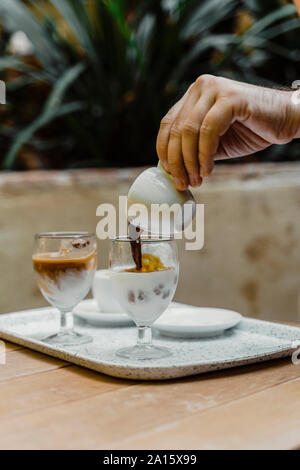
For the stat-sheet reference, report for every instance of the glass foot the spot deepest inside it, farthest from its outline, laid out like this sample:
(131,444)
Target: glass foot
(68,338)
(143,352)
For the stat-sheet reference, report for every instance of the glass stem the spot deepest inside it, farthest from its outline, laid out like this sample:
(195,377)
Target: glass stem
(66,322)
(144,336)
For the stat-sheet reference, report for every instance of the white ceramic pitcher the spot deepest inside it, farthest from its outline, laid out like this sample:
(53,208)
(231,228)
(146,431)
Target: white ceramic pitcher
(156,186)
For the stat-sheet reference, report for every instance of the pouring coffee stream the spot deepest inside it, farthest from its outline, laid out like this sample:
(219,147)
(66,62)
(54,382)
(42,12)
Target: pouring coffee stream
(134,234)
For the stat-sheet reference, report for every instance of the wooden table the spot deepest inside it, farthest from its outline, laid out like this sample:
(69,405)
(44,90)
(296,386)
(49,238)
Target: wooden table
(50,404)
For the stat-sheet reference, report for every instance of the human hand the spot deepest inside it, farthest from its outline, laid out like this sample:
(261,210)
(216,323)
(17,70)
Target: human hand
(219,118)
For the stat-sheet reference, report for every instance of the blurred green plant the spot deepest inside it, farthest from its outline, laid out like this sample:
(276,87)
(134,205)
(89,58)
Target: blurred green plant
(104,72)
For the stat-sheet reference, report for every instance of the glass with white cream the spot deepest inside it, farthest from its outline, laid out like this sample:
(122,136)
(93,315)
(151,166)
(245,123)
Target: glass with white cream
(144,291)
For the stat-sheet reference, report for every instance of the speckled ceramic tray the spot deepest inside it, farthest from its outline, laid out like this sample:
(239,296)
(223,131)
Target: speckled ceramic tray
(251,341)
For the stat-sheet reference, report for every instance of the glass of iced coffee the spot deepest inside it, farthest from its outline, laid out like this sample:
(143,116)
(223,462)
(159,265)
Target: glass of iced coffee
(64,265)
(144,275)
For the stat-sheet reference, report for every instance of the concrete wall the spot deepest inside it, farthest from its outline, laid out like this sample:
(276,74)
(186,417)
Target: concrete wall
(250,261)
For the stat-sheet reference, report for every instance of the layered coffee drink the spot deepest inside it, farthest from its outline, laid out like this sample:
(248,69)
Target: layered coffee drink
(145,289)
(144,275)
(65,276)
(145,294)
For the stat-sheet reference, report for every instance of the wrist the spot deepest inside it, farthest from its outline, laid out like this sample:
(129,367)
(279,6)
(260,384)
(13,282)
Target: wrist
(274,114)
(295,104)
(292,114)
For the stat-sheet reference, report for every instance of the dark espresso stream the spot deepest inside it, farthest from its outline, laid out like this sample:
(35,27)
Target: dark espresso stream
(134,234)
(146,262)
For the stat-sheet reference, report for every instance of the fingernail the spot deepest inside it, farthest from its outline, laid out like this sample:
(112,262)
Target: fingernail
(180,184)
(195,180)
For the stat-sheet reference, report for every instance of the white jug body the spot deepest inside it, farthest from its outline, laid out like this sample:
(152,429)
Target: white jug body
(154,188)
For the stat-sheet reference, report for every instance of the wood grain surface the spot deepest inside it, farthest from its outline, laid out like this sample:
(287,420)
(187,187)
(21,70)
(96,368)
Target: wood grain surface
(50,404)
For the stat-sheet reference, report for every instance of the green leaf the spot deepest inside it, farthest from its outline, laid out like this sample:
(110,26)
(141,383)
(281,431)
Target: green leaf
(206,16)
(19,83)
(69,13)
(25,135)
(275,15)
(144,32)
(57,94)
(116,8)
(52,110)
(276,49)
(11,62)
(281,28)
(218,42)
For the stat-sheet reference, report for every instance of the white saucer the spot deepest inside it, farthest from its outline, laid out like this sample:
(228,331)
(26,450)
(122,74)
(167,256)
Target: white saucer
(88,311)
(196,322)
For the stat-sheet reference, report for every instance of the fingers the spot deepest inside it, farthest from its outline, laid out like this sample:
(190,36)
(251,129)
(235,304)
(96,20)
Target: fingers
(175,159)
(215,124)
(190,138)
(189,134)
(175,151)
(163,136)
(189,143)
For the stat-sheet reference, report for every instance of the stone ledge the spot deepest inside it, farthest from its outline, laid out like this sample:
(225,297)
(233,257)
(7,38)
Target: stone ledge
(90,177)
(99,177)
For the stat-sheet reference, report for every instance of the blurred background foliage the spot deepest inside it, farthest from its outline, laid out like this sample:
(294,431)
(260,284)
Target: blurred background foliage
(88,81)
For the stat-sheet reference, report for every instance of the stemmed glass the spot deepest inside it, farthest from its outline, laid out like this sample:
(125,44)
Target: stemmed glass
(64,265)
(144,295)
